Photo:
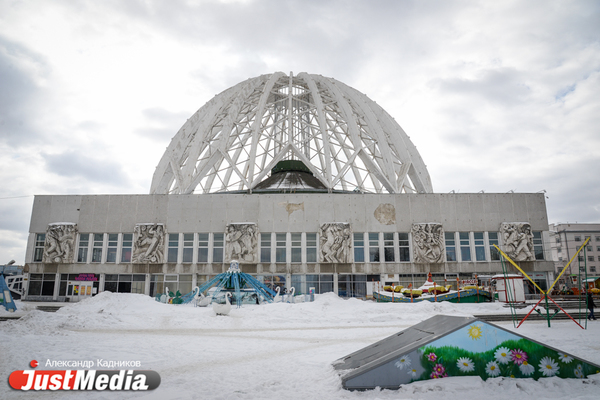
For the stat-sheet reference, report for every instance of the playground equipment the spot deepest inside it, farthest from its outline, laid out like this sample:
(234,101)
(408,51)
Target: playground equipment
(545,294)
(242,288)
(6,299)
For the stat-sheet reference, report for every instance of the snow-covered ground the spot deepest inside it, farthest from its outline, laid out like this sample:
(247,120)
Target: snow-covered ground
(272,351)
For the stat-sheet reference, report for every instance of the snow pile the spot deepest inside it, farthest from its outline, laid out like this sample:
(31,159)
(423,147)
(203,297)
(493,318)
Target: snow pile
(270,351)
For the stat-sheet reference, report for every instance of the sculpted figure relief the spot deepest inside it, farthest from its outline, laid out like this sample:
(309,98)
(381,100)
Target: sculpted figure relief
(60,242)
(335,241)
(241,243)
(428,243)
(148,244)
(518,241)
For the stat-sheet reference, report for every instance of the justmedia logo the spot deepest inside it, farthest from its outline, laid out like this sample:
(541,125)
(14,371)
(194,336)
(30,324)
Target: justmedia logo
(114,380)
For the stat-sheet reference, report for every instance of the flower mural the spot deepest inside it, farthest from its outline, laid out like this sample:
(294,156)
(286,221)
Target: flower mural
(499,353)
(403,362)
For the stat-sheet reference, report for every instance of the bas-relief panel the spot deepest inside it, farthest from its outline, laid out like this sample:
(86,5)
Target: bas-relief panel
(149,243)
(517,240)
(60,243)
(335,241)
(241,243)
(428,242)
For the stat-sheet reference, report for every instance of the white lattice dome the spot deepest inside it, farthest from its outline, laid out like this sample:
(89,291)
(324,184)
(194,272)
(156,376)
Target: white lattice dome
(347,141)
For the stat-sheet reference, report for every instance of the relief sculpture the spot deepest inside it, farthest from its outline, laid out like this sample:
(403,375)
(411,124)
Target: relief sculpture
(518,241)
(241,243)
(60,242)
(428,242)
(335,243)
(149,243)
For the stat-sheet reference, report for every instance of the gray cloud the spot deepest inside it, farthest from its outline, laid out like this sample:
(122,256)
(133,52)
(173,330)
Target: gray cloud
(98,169)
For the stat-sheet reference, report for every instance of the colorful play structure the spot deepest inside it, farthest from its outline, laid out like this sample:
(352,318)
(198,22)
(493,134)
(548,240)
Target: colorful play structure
(448,346)
(243,289)
(545,294)
(6,299)
(469,292)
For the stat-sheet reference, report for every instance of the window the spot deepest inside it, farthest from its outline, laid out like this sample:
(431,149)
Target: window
(598,258)
(84,243)
(592,268)
(580,258)
(203,247)
(450,246)
(597,248)
(265,247)
(311,247)
(321,283)
(479,246)
(111,250)
(352,285)
(296,247)
(126,247)
(578,238)
(538,247)
(597,238)
(41,285)
(589,248)
(280,247)
(188,247)
(404,246)
(173,247)
(218,247)
(590,258)
(493,239)
(374,246)
(38,252)
(465,246)
(124,283)
(97,247)
(388,246)
(359,247)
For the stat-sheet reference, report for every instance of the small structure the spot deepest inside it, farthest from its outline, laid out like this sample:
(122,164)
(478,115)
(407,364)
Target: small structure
(240,285)
(445,346)
(510,288)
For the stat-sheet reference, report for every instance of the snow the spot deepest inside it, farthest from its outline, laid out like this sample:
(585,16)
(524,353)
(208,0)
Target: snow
(270,351)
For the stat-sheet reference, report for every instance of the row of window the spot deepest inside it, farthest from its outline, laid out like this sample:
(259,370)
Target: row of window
(295,247)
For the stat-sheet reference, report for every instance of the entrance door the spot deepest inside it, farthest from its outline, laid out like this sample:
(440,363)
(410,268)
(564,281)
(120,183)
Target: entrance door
(79,290)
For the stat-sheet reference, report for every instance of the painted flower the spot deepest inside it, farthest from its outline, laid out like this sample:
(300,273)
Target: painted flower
(565,358)
(439,369)
(412,373)
(548,366)
(431,357)
(526,368)
(518,356)
(465,364)
(502,355)
(579,371)
(492,368)
(475,332)
(403,362)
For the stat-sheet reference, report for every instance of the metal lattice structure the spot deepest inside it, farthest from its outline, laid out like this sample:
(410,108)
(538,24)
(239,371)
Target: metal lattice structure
(347,141)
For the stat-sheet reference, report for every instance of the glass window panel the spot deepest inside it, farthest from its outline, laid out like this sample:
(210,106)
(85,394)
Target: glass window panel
(359,247)
(311,247)
(493,239)
(218,247)
(97,247)
(465,248)
(388,246)
(265,247)
(38,252)
(84,242)
(280,248)
(374,246)
(450,246)
(203,247)
(126,248)
(173,247)
(188,247)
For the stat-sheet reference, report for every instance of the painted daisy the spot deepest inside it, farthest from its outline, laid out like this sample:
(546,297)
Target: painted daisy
(474,332)
(502,355)
(439,369)
(565,358)
(579,371)
(518,356)
(526,368)
(492,368)
(431,357)
(548,366)
(403,362)
(412,373)
(465,364)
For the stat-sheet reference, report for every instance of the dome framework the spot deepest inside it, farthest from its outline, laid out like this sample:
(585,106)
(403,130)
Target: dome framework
(347,141)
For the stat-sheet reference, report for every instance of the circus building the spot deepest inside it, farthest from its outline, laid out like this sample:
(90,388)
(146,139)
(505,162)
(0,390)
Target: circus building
(306,182)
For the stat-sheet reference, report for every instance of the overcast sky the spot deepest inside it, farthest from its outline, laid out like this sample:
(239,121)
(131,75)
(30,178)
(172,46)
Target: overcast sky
(496,95)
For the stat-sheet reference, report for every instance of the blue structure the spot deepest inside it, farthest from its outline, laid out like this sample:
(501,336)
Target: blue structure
(5,297)
(235,281)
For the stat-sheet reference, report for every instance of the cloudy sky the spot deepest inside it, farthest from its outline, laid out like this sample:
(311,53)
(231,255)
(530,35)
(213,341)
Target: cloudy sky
(497,96)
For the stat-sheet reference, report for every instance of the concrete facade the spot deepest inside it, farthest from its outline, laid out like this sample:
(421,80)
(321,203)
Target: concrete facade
(377,216)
